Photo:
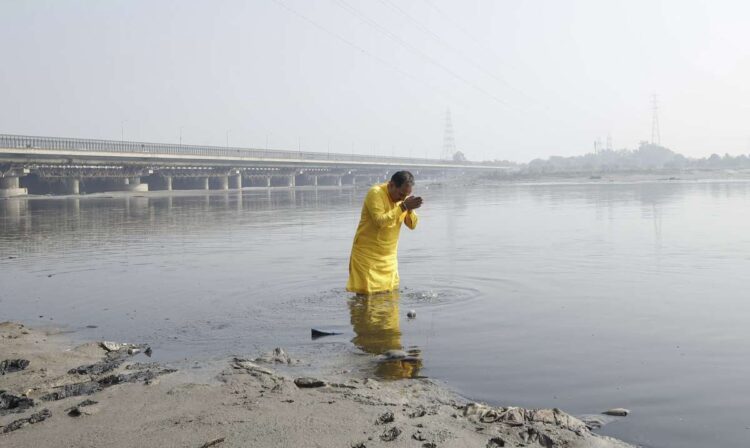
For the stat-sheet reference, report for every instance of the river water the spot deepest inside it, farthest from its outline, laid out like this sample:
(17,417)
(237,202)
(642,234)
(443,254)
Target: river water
(579,296)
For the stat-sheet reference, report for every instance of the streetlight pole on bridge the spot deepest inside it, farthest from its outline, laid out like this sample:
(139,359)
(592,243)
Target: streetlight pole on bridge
(122,130)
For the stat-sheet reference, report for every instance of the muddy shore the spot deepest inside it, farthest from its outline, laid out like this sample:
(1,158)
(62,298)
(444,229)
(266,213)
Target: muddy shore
(95,395)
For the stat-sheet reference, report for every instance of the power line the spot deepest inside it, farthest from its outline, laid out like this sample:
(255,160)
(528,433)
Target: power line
(448,18)
(359,48)
(479,42)
(353,11)
(442,41)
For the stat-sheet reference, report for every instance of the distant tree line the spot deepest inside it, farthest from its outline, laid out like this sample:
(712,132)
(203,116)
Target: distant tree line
(647,157)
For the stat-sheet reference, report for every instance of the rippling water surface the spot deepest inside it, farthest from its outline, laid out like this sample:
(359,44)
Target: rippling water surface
(578,296)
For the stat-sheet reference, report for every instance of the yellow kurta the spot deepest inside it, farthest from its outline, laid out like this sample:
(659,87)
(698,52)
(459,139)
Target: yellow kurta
(375,321)
(373,265)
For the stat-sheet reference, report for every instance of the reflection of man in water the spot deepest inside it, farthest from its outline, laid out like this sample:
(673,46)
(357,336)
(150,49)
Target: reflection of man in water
(375,321)
(373,266)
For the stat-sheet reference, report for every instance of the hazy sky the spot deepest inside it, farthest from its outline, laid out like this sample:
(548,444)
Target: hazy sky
(523,79)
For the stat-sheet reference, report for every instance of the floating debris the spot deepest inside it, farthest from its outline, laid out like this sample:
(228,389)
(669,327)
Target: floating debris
(395,354)
(315,333)
(617,412)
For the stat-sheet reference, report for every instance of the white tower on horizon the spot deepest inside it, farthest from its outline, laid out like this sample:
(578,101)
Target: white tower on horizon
(655,134)
(449,141)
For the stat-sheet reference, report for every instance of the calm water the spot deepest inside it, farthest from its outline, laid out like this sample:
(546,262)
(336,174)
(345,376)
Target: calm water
(583,297)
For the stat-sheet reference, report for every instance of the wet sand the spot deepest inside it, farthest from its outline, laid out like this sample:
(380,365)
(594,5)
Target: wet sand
(87,396)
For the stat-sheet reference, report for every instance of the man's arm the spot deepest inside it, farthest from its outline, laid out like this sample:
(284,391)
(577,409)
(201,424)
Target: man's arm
(378,213)
(411,219)
(412,203)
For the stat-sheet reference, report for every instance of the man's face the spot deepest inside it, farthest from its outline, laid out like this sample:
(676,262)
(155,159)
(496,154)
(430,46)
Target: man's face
(399,193)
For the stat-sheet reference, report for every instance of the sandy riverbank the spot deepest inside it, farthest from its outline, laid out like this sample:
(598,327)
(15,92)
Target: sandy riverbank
(87,396)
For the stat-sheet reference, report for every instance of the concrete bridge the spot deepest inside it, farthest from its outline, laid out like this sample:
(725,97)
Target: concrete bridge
(41,165)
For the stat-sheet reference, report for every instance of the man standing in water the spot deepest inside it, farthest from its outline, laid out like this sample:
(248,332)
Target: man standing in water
(373,265)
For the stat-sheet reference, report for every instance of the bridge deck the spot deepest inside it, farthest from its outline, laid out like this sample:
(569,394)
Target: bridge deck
(30,149)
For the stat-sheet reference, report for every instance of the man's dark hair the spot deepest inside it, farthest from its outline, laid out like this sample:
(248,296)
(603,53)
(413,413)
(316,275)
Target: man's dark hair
(399,178)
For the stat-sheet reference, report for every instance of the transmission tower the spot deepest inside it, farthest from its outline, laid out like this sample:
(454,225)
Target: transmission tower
(449,142)
(655,137)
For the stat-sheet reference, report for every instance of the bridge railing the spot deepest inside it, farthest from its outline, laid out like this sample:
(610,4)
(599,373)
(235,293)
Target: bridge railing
(93,145)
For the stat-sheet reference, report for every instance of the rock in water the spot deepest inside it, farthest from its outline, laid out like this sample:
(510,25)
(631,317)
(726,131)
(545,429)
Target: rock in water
(12,365)
(12,403)
(40,416)
(277,356)
(249,366)
(86,407)
(495,442)
(309,382)
(113,346)
(98,368)
(387,417)
(390,434)
(420,411)
(213,442)
(411,314)
(72,390)
(617,412)
(593,422)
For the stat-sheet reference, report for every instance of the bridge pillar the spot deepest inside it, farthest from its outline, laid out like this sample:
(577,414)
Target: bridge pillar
(222,183)
(9,186)
(338,181)
(9,182)
(268,181)
(315,180)
(237,182)
(134,184)
(203,183)
(71,186)
(292,181)
(121,183)
(129,184)
(168,183)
